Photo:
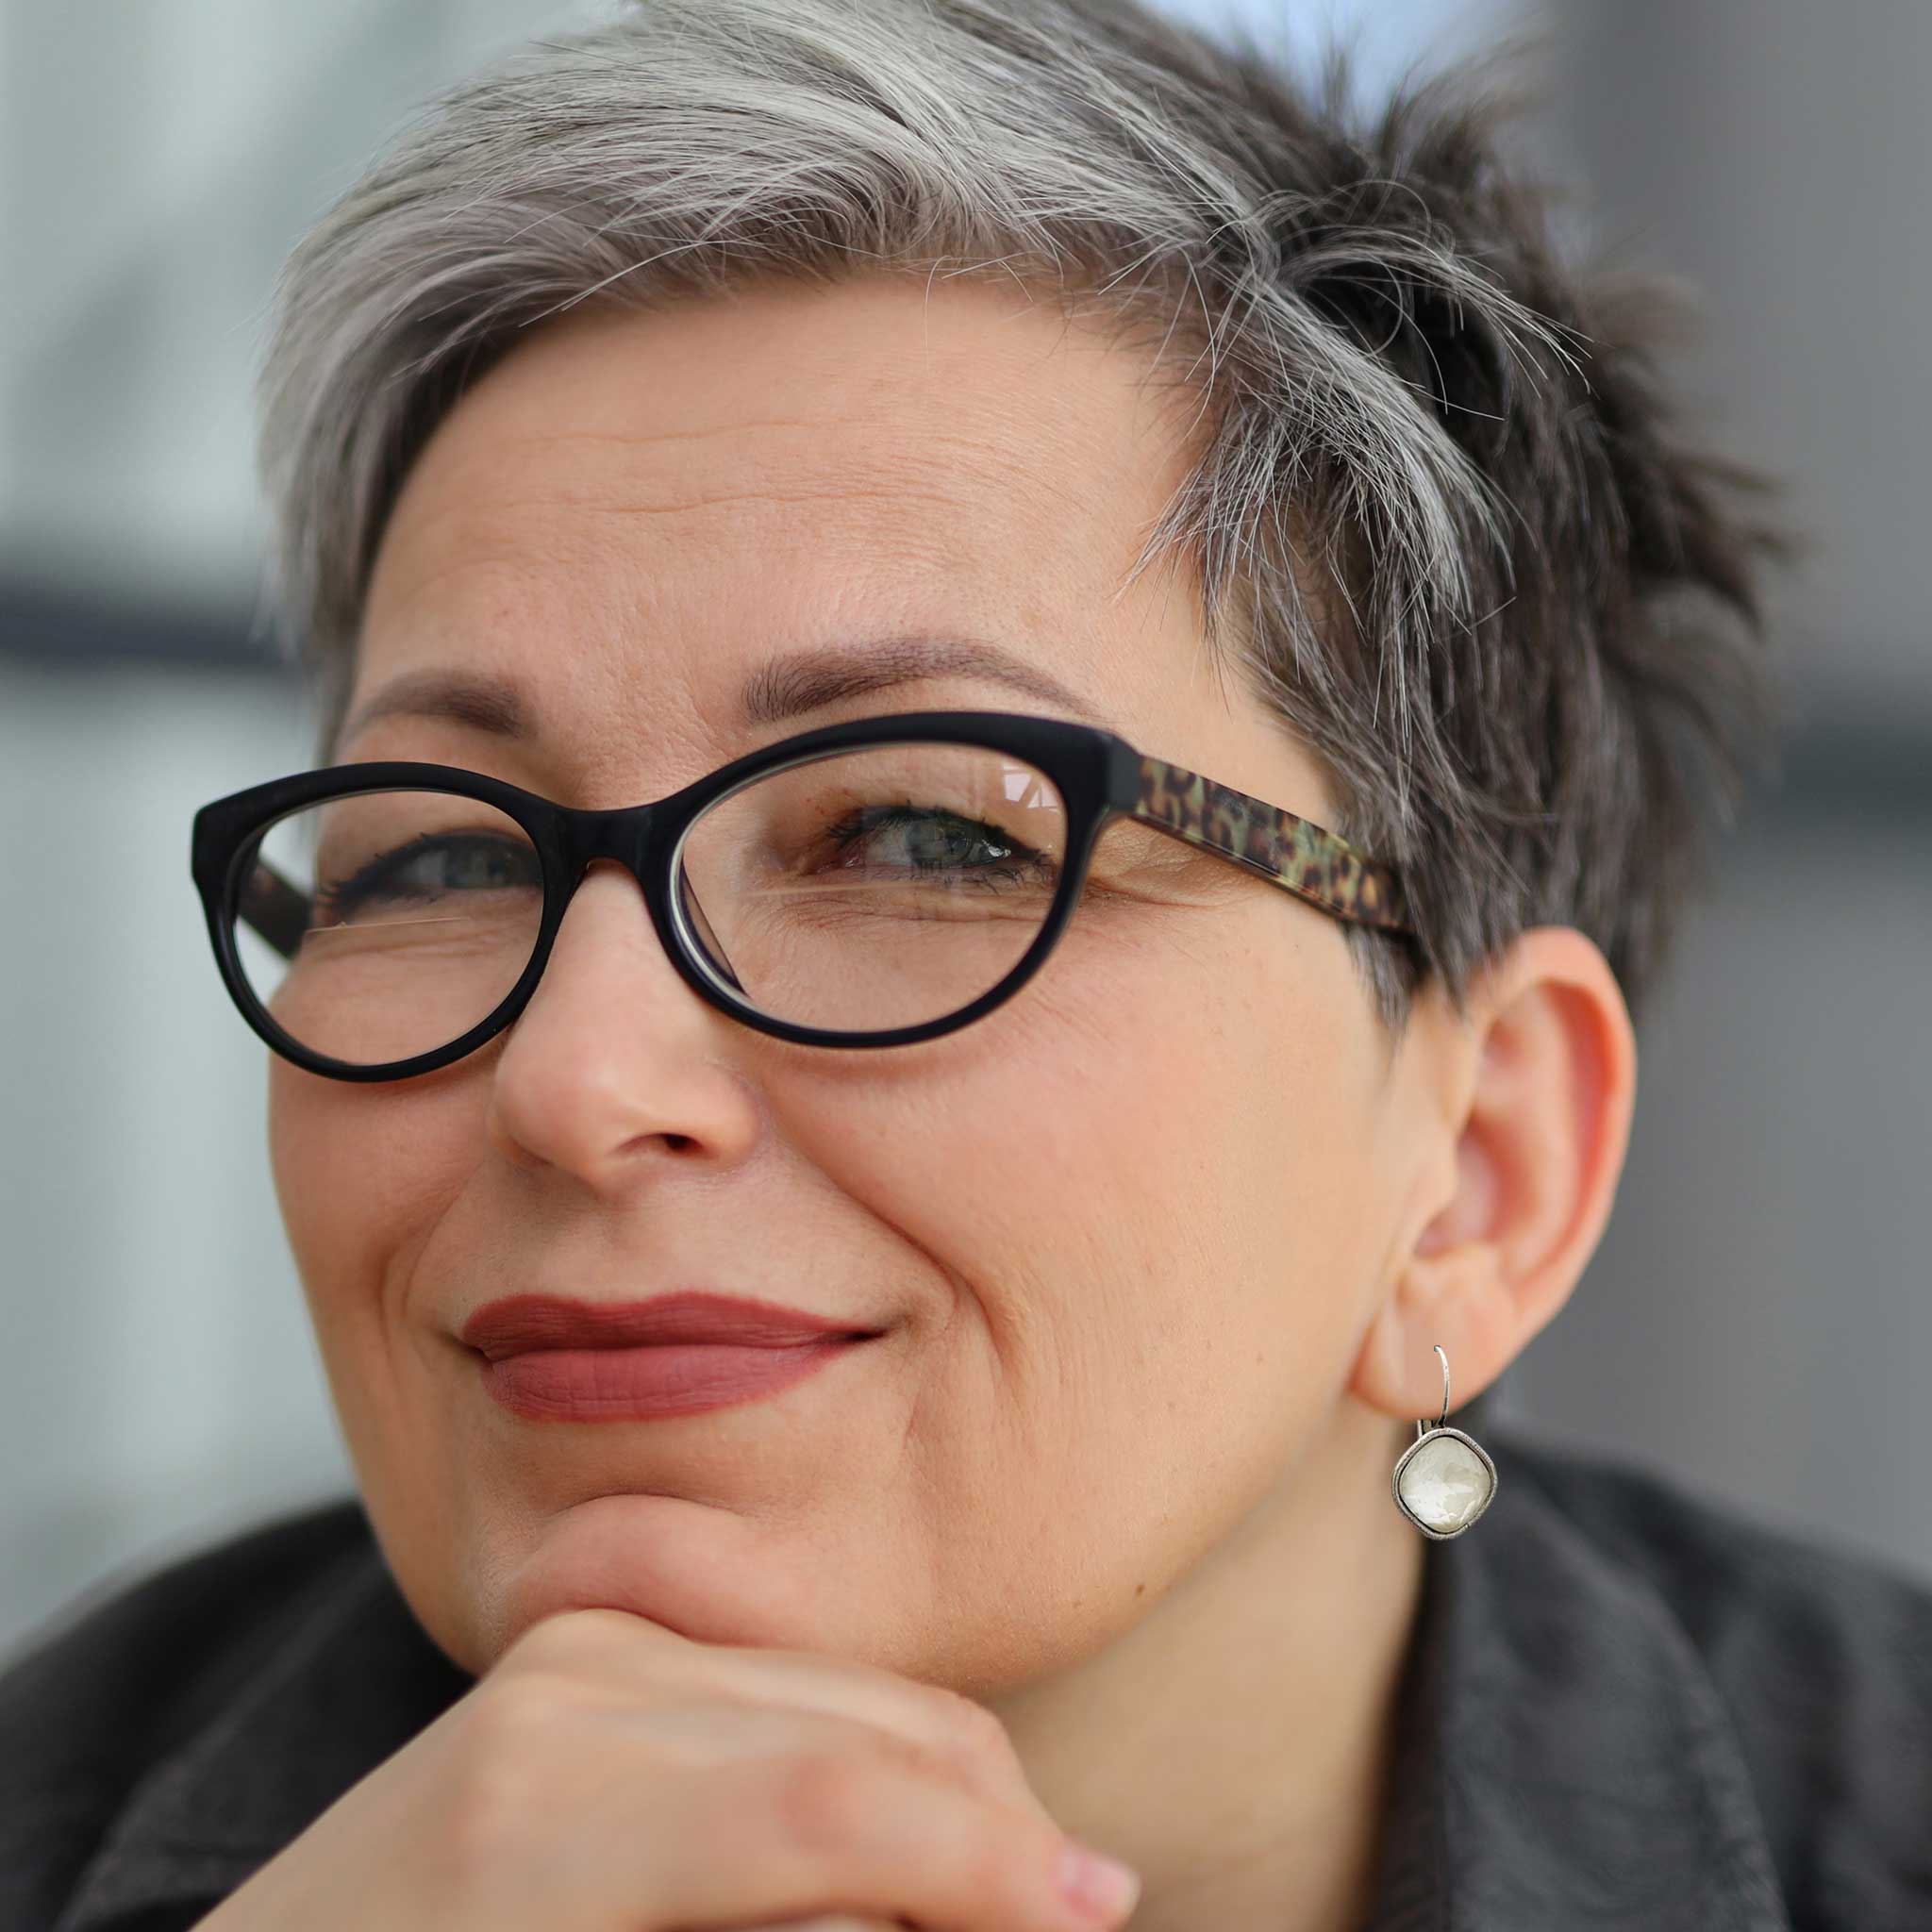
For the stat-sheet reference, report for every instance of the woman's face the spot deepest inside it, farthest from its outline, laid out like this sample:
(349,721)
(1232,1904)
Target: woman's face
(1124,1235)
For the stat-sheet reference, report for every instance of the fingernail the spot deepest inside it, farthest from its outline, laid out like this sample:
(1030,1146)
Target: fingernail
(1096,1883)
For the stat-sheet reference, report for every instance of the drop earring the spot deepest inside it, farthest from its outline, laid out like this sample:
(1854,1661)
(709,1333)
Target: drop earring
(1444,1479)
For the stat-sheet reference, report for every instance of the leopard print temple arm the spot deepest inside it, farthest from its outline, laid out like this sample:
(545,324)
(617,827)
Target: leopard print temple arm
(1318,865)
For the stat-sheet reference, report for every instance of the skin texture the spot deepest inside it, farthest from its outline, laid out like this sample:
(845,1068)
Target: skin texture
(1162,1245)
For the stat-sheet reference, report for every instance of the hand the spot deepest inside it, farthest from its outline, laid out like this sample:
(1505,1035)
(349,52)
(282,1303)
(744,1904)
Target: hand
(607,1774)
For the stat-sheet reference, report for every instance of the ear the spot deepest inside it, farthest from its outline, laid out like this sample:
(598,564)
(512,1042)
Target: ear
(1525,1132)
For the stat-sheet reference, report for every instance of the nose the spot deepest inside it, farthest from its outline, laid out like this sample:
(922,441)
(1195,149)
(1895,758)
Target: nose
(616,1061)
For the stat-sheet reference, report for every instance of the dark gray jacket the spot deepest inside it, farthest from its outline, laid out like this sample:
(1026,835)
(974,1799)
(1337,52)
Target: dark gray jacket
(1625,1706)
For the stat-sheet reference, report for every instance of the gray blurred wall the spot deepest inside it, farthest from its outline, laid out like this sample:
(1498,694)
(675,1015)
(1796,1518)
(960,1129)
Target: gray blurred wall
(1759,1316)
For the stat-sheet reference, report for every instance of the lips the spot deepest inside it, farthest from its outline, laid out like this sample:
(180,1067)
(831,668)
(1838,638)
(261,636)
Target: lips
(548,1360)
(522,1324)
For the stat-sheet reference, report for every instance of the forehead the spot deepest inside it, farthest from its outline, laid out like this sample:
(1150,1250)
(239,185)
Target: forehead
(637,508)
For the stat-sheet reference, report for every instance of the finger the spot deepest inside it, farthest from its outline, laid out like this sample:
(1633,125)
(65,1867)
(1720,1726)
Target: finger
(953,1726)
(655,1659)
(861,1824)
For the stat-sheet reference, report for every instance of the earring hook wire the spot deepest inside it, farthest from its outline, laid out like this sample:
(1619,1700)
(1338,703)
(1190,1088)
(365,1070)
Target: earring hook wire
(1421,1428)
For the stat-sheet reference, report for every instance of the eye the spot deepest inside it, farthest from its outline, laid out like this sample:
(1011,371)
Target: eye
(935,841)
(437,865)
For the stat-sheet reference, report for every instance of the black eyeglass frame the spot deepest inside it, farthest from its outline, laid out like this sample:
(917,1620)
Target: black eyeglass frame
(1099,775)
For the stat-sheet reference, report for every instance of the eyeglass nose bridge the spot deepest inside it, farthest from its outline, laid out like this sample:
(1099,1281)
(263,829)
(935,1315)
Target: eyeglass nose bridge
(627,833)
(640,839)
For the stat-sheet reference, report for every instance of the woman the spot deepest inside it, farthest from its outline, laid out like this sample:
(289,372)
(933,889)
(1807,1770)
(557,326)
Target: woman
(896,1290)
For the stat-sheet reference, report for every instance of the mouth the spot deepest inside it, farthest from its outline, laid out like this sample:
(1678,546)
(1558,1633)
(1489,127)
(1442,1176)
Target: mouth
(519,1324)
(547,1358)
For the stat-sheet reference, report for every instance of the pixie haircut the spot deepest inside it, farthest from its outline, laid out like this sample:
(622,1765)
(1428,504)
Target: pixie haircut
(1440,519)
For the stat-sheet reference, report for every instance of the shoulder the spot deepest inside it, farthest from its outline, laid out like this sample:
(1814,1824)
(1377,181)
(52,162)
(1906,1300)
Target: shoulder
(1821,1657)
(130,1665)
(1734,1578)
(95,1695)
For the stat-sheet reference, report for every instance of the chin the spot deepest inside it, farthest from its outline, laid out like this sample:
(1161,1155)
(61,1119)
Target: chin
(634,1552)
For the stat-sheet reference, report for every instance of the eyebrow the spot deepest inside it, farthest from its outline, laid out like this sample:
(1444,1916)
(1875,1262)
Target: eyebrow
(785,688)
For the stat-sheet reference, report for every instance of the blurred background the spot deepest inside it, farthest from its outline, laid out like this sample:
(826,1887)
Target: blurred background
(1759,1320)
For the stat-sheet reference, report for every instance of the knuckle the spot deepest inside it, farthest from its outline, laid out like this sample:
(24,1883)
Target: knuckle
(569,1639)
(860,1798)
(551,1642)
(510,1717)
(974,1730)
(487,1802)
(826,1801)
(500,1772)
(974,1748)
(852,1797)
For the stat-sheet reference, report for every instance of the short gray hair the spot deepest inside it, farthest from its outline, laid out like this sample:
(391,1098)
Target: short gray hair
(1440,521)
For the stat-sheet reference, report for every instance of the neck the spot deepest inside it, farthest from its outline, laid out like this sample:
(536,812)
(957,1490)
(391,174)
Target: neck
(1234,1745)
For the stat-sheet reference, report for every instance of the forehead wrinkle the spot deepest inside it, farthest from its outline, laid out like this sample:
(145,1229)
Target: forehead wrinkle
(1062,409)
(911,477)
(698,433)
(483,474)
(528,558)
(863,472)
(779,497)
(514,517)
(525,539)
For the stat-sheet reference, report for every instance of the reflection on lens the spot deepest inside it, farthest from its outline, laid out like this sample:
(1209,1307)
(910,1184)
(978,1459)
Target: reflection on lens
(871,889)
(383,925)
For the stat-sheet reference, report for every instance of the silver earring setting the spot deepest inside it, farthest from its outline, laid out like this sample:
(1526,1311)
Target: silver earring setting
(1444,1479)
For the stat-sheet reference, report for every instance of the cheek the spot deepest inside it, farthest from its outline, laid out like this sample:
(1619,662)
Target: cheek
(1155,1203)
(1150,1176)
(358,1175)
(311,1166)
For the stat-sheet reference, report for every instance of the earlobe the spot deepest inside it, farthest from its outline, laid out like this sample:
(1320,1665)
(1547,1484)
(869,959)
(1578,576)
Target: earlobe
(1526,1168)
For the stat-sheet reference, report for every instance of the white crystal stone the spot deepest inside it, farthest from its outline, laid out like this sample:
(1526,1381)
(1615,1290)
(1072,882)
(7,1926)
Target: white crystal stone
(1445,1484)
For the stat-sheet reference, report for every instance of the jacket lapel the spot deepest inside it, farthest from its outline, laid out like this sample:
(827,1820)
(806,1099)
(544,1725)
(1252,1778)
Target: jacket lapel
(1564,1758)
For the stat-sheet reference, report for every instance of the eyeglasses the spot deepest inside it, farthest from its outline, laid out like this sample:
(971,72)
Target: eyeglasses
(867,884)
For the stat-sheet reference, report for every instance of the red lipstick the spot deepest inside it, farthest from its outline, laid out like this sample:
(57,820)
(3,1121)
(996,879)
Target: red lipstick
(549,1359)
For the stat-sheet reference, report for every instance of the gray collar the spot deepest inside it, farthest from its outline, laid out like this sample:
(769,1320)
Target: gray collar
(1564,1756)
